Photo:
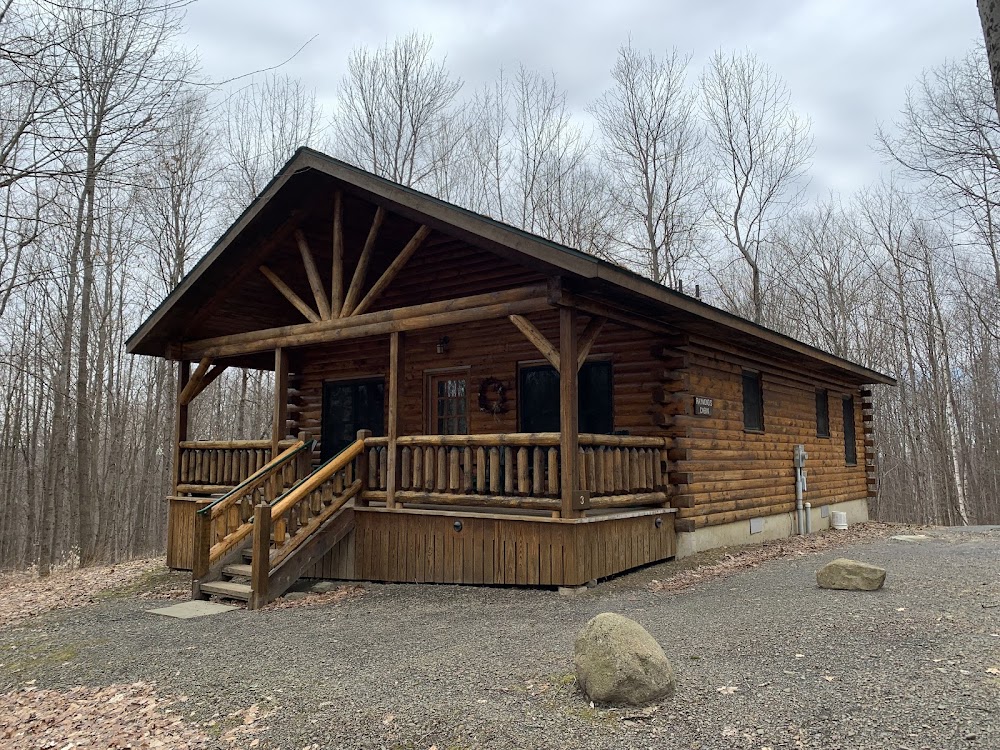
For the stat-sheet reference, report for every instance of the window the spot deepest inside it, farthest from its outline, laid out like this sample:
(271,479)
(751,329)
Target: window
(538,398)
(850,439)
(822,413)
(753,401)
(347,408)
(449,401)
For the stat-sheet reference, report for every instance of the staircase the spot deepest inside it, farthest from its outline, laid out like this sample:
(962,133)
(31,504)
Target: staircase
(259,559)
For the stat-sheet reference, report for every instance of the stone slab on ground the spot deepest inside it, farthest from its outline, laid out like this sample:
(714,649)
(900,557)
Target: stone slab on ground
(192,609)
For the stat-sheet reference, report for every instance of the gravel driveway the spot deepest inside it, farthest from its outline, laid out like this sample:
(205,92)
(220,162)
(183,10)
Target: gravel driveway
(764,659)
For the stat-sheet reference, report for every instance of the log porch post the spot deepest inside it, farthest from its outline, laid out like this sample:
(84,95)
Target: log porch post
(180,420)
(569,421)
(392,429)
(280,420)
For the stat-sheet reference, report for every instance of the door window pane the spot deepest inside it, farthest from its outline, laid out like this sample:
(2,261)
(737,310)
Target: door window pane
(450,394)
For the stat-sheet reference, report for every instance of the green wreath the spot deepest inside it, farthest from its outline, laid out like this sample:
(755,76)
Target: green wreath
(494,406)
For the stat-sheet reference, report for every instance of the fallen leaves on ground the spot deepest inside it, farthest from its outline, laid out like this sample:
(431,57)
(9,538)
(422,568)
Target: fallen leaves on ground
(65,588)
(116,716)
(753,555)
(313,599)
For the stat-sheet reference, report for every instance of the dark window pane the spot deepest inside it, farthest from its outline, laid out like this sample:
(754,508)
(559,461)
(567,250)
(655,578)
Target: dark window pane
(753,401)
(538,398)
(850,437)
(822,414)
(347,408)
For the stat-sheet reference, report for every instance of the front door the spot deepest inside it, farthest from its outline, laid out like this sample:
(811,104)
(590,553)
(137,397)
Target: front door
(349,407)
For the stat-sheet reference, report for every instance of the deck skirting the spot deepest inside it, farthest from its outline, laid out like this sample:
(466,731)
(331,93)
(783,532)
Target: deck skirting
(429,547)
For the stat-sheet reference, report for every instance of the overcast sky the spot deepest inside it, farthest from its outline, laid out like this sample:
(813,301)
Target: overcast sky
(847,62)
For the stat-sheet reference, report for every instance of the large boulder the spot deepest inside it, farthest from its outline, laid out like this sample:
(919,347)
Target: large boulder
(619,663)
(850,575)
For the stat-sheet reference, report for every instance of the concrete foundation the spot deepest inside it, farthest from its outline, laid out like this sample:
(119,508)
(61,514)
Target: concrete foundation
(773,527)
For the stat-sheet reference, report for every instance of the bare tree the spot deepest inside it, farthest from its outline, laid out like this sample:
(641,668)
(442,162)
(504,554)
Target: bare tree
(651,148)
(989,17)
(759,151)
(393,109)
(262,125)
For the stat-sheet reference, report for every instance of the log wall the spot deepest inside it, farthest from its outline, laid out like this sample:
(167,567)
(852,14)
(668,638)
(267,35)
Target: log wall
(725,473)
(720,473)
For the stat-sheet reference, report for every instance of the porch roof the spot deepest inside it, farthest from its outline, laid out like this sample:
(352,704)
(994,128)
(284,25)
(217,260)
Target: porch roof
(310,176)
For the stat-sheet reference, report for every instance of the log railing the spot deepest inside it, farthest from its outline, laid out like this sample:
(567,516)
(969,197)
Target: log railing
(223,524)
(210,466)
(623,470)
(519,470)
(283,526)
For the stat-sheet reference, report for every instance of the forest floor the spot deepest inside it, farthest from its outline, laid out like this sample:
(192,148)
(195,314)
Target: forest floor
(764,659)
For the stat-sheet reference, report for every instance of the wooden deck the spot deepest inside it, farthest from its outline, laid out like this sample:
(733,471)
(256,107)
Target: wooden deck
(479,509)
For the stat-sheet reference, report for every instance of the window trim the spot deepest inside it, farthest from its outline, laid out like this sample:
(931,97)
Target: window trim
(826,398)
(759,375)
(429,415)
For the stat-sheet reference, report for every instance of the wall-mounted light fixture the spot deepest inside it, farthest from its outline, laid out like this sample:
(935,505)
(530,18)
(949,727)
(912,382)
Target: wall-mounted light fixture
(442,345)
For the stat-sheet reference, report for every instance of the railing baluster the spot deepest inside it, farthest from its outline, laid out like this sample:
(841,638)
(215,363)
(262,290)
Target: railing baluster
(467,469)
(494,470)
(537,471)
(429,468)
(508,470)
(454,480)
(418,468)
(481,470)
(522,471)
(590,462)
(406,468)
(553,472)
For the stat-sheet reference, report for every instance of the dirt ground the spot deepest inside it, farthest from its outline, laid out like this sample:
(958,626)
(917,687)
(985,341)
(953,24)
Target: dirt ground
(764,658)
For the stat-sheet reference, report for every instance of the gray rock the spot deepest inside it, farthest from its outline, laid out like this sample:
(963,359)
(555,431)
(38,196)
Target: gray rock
(850,575)
(619,663)
(322,587)
(294,596)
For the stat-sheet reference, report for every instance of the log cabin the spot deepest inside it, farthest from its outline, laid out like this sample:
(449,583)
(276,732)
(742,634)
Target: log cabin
(460,401)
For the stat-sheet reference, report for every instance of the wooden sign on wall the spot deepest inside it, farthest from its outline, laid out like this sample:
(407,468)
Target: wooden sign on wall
(702,406)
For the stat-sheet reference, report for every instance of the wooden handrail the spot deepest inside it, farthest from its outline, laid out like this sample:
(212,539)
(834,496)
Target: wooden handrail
(481,441)
(287,501)
(521,439)
(230,444)
(623,441)
(216,507)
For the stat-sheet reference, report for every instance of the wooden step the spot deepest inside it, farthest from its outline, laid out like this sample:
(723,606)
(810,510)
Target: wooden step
(228,590)
(248,553)
(238,570)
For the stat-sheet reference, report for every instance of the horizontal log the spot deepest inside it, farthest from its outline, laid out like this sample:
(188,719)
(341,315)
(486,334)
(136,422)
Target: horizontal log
(489,440)
(228,444)
(497,501)
(415,317)
(204,489)
(637,499)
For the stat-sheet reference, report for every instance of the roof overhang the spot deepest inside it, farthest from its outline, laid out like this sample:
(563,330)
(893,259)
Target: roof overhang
(657,301)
